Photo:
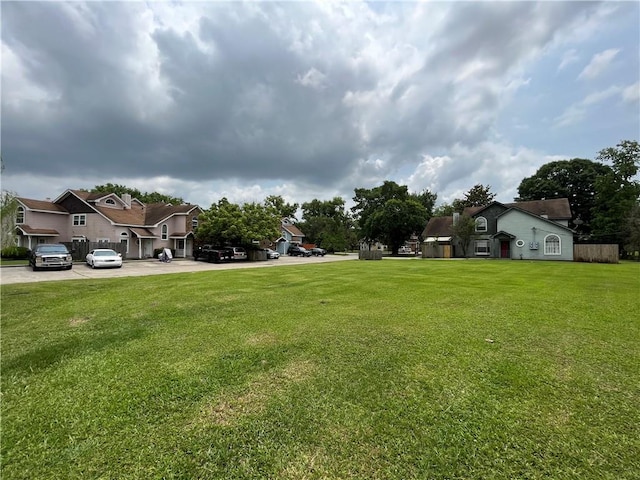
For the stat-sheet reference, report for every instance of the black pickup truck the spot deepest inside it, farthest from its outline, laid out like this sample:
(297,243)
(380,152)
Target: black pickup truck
(213,254)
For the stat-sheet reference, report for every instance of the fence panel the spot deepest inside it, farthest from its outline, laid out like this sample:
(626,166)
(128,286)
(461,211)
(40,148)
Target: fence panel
(596,253)
(79,250)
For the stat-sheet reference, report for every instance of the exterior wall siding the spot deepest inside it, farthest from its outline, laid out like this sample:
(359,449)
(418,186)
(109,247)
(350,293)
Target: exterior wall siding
(530,229)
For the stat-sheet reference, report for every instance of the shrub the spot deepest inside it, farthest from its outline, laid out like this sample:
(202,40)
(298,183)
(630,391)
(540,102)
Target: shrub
(16,253)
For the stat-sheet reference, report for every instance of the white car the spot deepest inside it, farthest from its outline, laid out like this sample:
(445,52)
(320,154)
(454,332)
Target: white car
(272,253)
(104,257)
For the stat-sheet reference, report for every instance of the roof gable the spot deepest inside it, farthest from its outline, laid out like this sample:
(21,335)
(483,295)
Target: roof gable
(538,217)
(42,205)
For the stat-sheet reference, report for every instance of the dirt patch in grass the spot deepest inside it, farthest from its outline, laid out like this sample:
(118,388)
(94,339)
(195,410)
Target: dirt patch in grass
(77,321)
(228,409)
(262,339)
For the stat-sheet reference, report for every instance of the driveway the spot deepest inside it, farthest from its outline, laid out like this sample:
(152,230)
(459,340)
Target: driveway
(134,268)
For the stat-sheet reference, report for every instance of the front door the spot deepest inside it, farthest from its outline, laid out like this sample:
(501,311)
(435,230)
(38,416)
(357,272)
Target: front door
(504,249)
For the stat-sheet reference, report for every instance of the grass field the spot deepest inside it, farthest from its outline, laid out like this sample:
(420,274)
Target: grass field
(396,369)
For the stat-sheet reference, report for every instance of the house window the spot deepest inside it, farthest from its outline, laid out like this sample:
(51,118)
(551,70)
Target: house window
(552,245)
(194,223)
(20,215)
(165,232)
(482,247)
(110,201)
(481,224)
(79,220)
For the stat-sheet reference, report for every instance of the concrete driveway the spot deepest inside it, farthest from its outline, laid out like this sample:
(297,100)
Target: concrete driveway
(134,268)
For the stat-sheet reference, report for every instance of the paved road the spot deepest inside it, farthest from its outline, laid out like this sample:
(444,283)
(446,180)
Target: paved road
(150,267)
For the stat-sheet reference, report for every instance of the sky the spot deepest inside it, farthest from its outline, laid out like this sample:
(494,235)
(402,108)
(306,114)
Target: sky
(310,100)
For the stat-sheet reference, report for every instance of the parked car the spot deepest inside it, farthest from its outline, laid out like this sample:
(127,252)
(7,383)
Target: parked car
(104,257)
(50,255)
(272,253)
(297,250)
(318,252)
(239,253)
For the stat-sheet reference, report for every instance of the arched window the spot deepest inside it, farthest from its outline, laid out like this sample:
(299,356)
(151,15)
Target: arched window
(110,201)
(165,232)
(552,245)
(481,224)
(20,215)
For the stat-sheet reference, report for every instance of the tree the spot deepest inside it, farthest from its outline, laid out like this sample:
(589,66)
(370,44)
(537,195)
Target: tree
(226,223)
(8,213)
(328,224)
(444,210)
(478,196)
(463,230)
(617,193)
(388,213)
(631,233)
(153,197)
(283,209)
(573,179)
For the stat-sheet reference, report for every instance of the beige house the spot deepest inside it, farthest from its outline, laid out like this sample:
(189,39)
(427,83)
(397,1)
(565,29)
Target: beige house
(79,216)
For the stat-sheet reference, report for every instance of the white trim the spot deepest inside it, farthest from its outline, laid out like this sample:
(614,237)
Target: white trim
(547,251)
(486,224)
(520,243)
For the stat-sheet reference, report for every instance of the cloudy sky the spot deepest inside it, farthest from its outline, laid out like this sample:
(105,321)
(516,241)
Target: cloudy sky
(307,100)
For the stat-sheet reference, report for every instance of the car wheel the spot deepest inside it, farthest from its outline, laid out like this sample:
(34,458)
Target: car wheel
(35,269)
(69,267)
(93,265)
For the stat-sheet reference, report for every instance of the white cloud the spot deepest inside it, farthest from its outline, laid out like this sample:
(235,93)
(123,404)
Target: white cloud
(578,111)
(631,94)
(599,63)
(569,57)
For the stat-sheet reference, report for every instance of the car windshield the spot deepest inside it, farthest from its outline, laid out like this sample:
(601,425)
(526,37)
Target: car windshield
(104,253)
(52,249)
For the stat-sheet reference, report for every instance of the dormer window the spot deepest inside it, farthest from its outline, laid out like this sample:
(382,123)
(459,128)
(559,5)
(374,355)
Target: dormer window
(110,201)
(481,224)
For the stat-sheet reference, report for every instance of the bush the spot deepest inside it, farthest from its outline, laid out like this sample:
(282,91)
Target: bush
(15,253)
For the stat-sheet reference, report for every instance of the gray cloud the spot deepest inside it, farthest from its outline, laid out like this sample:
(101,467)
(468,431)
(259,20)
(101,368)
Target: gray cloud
(322,95)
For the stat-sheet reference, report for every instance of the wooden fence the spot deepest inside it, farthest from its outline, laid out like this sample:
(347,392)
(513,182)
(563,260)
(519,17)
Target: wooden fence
(79,250)
(370,255)
(596,253)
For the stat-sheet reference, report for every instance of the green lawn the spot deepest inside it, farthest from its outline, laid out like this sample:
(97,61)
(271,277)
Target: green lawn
(393,369)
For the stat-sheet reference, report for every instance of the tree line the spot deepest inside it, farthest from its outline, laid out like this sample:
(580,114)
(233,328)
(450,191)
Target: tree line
(604,196)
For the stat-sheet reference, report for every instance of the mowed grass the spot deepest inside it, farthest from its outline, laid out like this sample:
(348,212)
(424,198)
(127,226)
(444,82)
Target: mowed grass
(395,369)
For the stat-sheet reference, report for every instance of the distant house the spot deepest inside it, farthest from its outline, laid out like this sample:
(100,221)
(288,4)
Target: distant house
(290,235)
(101,218)
(523,230)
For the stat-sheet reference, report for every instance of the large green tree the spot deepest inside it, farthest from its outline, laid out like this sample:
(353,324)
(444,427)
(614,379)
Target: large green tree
(573,179)
(146,197)
(328,224)
(617,192)
(284,209)
(478,196)
(226,223)
(389,214)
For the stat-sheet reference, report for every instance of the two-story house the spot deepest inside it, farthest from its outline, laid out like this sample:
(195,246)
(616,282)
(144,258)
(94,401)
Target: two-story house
(79,216)
(290,235)
(536,229)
